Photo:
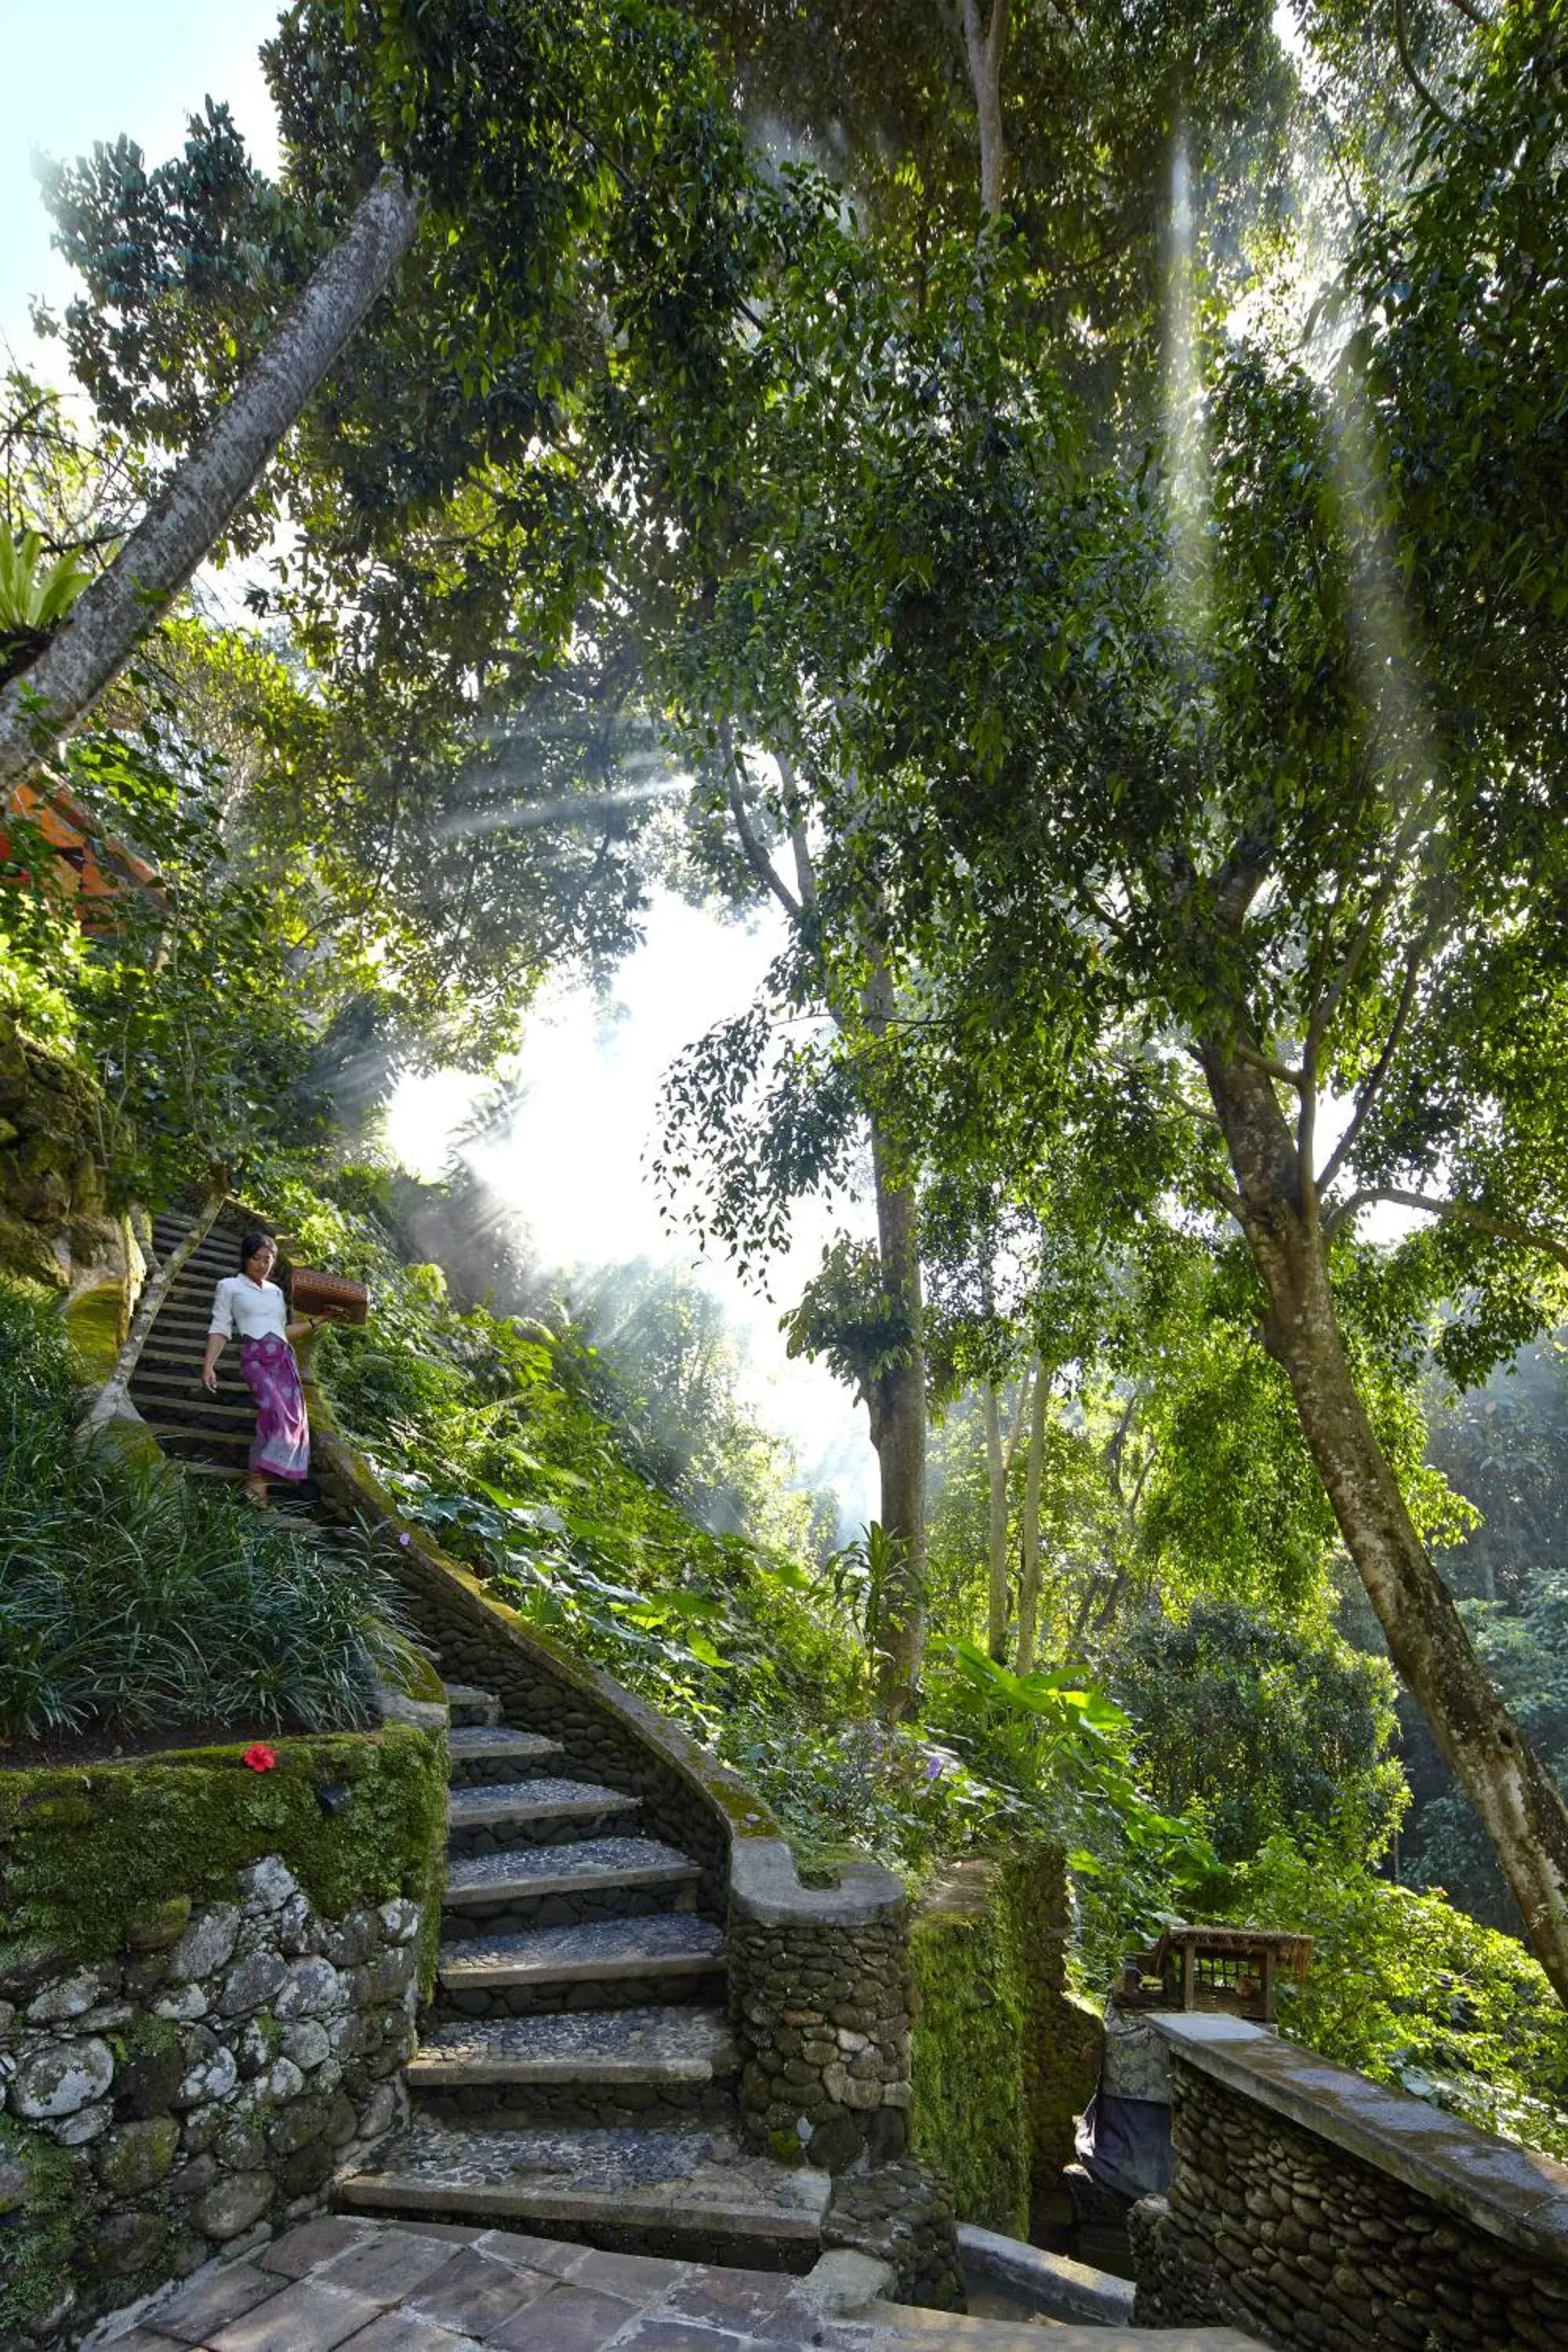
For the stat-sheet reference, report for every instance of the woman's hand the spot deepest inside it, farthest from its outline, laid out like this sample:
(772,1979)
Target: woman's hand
(209,1378)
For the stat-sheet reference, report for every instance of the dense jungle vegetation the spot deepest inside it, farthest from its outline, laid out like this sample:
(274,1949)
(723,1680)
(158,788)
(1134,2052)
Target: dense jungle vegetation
(1061,504)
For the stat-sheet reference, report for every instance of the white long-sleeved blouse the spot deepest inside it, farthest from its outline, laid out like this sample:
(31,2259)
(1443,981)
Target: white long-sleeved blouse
(243,1309)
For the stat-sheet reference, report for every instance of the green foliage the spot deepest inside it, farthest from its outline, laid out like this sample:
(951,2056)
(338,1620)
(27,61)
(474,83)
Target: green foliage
(849,1319)
(493,1432)
(1410,1991)
(131,1600)
(1268,1725)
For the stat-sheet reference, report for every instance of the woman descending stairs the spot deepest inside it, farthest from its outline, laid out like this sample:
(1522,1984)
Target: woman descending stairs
(578,2076)
(210,1435)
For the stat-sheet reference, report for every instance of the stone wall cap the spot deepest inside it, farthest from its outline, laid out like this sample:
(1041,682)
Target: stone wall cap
(766,1889)
(1515,2193)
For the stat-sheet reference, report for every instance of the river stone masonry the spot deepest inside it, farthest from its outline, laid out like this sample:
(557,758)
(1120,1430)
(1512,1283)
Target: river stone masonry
(1318,2209)
(206,2084)
(821,2009)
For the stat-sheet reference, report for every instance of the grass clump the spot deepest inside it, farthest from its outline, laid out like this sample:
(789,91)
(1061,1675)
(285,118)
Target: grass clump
(133,1601)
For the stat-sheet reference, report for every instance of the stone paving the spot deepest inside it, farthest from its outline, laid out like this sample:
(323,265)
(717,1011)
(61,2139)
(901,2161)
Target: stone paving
(346,2285)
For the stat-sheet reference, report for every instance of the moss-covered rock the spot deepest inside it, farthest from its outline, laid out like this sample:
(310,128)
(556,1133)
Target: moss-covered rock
(74,1843)
(55,1225)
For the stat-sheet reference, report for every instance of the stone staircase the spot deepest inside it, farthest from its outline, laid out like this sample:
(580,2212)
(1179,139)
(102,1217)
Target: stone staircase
(577,2073)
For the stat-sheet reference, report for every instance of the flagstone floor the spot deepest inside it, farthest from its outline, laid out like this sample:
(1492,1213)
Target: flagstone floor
(349,2285)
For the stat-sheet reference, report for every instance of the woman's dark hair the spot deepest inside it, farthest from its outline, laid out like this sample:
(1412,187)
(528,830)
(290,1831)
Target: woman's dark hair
(252,1242)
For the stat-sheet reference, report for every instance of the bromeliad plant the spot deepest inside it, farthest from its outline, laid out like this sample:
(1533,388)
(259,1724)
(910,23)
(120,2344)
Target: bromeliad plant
(35,593)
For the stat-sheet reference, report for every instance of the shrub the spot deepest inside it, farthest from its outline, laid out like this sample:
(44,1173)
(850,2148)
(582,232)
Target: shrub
(131,1600)
(1411,1990)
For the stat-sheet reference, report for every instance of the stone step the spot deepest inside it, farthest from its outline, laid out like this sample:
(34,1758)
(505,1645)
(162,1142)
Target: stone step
(192,1408)
(167,1390)
(489,1753)
(903,2327)
(188,1433)
(640,2059)
(550,1886)
(692,2195)
(470,1706)
(651,1959)
(302,1491)
(182,1355)
(514,1812)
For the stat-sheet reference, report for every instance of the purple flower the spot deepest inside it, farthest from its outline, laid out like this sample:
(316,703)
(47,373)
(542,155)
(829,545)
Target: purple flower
(934,1768)
(405,1539)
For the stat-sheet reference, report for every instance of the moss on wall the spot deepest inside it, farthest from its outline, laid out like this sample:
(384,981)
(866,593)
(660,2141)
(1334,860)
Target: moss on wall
(358,1817)
(38,2218)
(969,2112)
(1004,2057)
(53,1221)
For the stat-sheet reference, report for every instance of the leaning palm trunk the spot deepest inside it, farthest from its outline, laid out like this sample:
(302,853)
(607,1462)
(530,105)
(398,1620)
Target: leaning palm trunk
(88,651)
(1520,1808)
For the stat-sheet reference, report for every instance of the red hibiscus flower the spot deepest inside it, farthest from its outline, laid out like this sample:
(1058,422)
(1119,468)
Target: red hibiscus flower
(260,1759)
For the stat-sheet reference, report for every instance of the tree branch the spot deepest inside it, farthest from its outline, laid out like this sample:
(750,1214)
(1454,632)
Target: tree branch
(1276,1069)
(805,867)
(1412,74)
(1476,17)
(1372,1084)
(1504,1229)
(756,857)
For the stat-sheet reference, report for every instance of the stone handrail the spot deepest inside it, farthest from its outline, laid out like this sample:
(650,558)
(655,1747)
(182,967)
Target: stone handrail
(1331,2213)
(1513,2192)
(819,1975)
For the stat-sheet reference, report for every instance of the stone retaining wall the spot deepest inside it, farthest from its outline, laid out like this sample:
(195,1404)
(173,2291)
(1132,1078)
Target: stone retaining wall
(207,2084)
(208,1975)
(1004,2057)
(1318,2209)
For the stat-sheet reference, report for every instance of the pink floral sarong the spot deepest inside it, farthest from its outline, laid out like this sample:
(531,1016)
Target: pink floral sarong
(282,1443)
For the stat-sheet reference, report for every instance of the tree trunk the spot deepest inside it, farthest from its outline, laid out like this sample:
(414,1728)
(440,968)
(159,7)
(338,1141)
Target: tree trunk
(996,1529)
(92,647)
(112,1396)
(898,1410)
(1523,1813)
(1029,1577)
(984,48)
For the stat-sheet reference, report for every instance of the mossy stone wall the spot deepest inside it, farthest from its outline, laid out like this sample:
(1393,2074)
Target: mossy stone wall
(55,1225)
(208,1976)
(1004,2057)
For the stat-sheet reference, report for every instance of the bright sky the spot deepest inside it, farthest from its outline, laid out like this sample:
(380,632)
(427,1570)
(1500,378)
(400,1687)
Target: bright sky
(80,70)
(574,1160)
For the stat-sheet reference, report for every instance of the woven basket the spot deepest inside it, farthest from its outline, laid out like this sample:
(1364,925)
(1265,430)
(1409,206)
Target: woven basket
(328,1296)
